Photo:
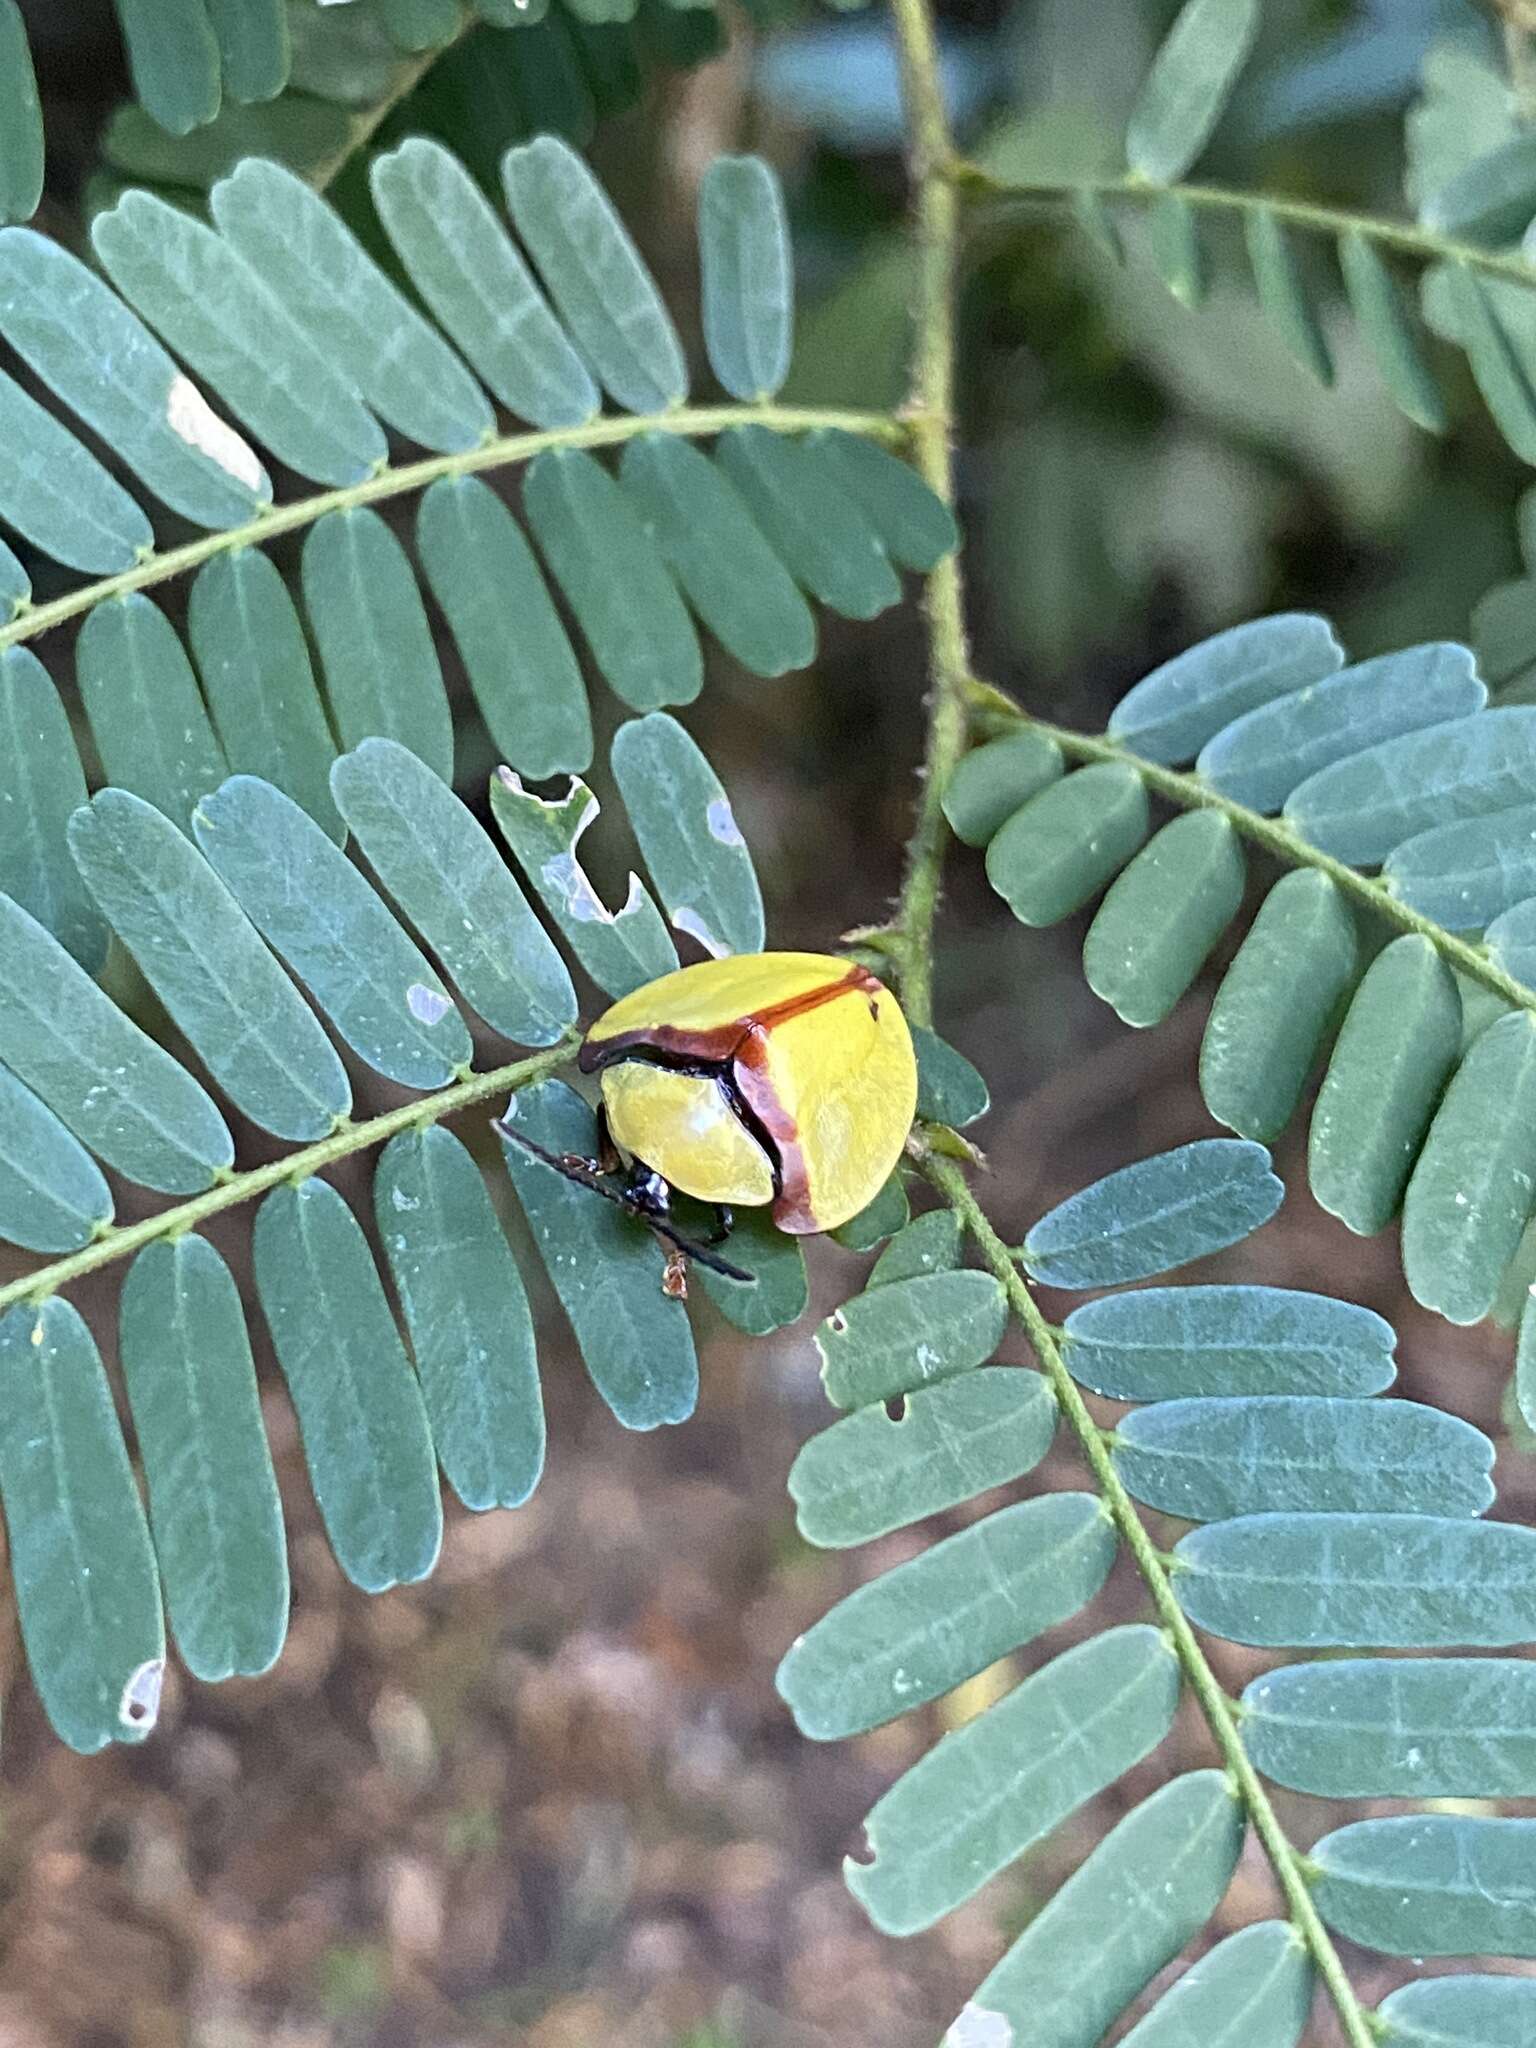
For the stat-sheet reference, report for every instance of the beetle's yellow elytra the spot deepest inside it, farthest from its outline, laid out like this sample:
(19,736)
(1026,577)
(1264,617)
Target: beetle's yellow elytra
(782,1077)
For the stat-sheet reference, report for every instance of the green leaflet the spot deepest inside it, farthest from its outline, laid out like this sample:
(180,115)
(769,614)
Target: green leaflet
(881,1217)
(1172,1343)
(467,1316)
(1154,1215)
(254,49)
(21,120)
(729,573)
(1431,1884)
(1276,1004)
(1491,201)
(144,706)
(521,666)
(174,60)
(1253,1990)
(360,1410)
(941,1617)
(928,1244)
(1525,1361)
(1511,942)
(915,527)
(1400,1038)
(56,494)
(316,910)
(1163,916)
(1171,713)
(1283,295)
(605,1266)
(294,129)
(1151,1884)
(462,261)
(344,56)
(873,1472)
(1189,84)
(994,781)
(1095,216)
(213,1501)
(1460,2012)
(1396,1727)
(84,1573)
(381,670)
(1261,757)
(1504,630)
(1174,245)
(1494,345)
(15,586)
(746,278)
(104,363)
(688,836)
(52,1199)
(40,784)
(621,949)
(679,37)
(251,652)
(242,1015)
(218,315)
(119,1092)
(949,1089)
(1206,1460)
(339,298)
(1360,1581)
(823,538)
(605,294)
(1067,842)
(907,1333)
(444,872)
(1475,1182)
(1467,873)
(1008,1777)
(778,1292)
(419,24)
(614,580)
(609,54)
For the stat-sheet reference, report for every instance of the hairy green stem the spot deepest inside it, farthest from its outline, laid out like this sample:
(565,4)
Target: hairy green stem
(503,451)
(931,416)
(1273,834)
(119,1241)
(1403,237)
(1289,1866)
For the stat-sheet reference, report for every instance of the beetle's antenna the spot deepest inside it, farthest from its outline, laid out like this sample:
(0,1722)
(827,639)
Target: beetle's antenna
(586,1176)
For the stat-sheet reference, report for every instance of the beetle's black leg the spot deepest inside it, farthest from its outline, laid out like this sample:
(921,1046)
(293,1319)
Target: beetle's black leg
(725,1223)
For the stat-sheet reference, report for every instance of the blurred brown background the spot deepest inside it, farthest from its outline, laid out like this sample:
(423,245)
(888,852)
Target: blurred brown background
(550,1797)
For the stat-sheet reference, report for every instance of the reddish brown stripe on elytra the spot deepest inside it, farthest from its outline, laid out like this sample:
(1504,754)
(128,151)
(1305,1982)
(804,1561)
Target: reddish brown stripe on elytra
(720,1041)
(792,1204)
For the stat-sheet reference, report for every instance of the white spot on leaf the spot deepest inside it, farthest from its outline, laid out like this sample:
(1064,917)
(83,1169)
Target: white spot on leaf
(563,875)
(722,822)
(688,920)
(189,414)
(978,2027)
(139,1706)
(426,1005)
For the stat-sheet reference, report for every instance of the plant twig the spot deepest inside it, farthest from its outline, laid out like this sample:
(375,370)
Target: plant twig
(408,75)
(607,431)
(931,417)
(1288,1865)
(938,227)
(118,1241)
(981,188)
